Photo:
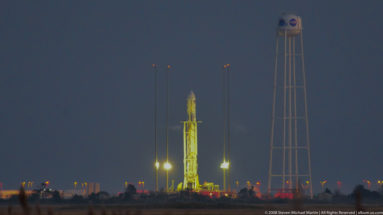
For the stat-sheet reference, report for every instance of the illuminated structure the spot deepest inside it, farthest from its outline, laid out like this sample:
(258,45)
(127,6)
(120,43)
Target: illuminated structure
(92,187)
(290,160)
(191,180)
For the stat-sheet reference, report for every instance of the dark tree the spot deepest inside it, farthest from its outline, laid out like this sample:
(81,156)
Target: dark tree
(130,192)
(131,189)
(364,193)
(245,193)
(328,191)
(56,196)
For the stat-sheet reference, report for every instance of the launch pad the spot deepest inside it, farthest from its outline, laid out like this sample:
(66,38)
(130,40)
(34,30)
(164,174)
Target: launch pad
(289,158)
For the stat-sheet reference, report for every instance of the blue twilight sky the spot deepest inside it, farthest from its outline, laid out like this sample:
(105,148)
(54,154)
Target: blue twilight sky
(76,87)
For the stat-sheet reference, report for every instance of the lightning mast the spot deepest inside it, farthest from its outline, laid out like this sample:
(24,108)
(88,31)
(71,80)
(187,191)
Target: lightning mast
(225,165)
(156,163)
(167,165)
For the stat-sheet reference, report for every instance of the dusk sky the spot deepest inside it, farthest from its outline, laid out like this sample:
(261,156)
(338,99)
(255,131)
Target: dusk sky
(76,88)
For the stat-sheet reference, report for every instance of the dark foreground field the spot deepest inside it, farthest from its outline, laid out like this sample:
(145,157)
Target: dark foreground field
(193,210)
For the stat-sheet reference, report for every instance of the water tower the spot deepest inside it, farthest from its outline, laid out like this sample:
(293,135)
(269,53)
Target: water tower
(290,162)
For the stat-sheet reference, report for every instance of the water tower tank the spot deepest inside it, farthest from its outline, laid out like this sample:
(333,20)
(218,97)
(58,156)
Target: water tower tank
(290,24)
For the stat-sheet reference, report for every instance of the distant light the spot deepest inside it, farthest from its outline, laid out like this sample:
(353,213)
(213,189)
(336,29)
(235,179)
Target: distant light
(157,165)
(167,166)
(225,165)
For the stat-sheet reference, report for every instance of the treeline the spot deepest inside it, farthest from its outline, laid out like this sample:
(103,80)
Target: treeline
(159,199)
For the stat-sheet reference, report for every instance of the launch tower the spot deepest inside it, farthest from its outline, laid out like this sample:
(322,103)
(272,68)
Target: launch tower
(191,180)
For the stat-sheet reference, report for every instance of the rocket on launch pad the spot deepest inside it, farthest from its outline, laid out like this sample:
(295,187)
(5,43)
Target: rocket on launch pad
(191,180)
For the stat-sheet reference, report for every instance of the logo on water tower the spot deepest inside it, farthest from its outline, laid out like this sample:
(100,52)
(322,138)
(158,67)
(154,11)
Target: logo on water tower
(293,22)
(282,22)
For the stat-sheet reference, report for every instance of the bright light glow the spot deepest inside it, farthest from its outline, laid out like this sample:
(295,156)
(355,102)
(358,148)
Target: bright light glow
(157,165)
(307,182)
(167,166)
(225,165)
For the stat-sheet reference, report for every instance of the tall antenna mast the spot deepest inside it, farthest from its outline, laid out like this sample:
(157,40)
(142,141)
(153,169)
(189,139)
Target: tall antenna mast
(225,165)
(167,164)
(156,163)
(228,125)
